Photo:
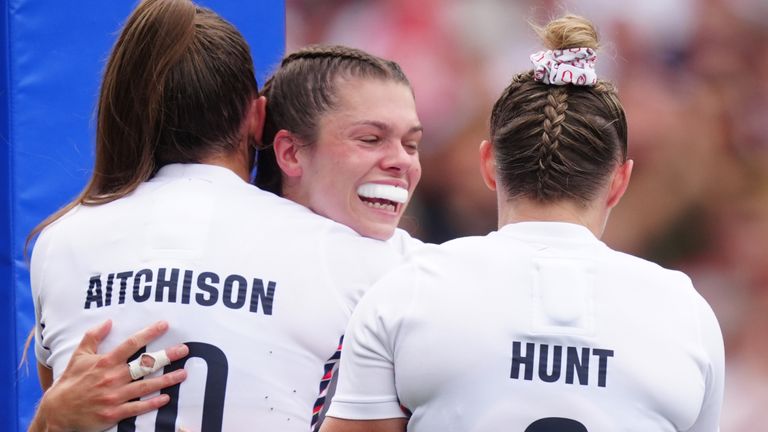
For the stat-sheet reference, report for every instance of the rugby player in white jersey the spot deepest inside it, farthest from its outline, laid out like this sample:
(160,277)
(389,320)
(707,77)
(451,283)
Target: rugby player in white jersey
(258,287)
(538,326)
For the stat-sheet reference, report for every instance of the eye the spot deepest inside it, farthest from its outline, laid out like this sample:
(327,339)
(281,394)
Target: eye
(370,139)
(411,147)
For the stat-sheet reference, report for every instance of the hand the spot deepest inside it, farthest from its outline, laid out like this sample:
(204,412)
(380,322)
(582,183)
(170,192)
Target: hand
(96,391)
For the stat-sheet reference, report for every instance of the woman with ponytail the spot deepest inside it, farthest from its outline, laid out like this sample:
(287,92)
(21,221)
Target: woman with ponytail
(538,326)
(256,288)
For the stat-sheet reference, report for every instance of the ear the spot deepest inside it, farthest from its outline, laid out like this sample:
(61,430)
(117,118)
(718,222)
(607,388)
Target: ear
(287,147)
(619,182)
(488,164)
(258,111)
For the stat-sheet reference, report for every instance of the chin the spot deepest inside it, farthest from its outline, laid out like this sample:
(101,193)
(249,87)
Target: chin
(376,232)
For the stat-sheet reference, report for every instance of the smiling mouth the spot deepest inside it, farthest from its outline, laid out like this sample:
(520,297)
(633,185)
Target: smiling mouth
(380,204)
(384,197)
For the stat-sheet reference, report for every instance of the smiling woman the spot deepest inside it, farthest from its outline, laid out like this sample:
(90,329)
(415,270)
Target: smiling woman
(344,137)
(364,163)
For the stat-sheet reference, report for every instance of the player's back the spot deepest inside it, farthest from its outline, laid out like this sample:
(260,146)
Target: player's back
(259,287)
(541,327)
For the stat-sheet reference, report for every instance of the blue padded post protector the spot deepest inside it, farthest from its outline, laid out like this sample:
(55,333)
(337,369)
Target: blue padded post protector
(7,311)
(52,53)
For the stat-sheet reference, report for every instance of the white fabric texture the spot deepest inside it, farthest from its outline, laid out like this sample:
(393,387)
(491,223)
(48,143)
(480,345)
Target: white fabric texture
(537,321)
(569,66)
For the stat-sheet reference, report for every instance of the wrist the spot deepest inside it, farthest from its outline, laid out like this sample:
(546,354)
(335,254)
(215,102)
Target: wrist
(45,419)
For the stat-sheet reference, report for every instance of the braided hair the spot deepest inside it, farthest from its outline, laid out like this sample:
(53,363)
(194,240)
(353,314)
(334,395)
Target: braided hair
(303,89)
(555,142)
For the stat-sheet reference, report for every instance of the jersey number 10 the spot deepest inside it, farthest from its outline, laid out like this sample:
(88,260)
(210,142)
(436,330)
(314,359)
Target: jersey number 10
(213,400)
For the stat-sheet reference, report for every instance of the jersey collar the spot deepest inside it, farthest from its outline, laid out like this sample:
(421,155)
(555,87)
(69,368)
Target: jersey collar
(557,231)
(211,173)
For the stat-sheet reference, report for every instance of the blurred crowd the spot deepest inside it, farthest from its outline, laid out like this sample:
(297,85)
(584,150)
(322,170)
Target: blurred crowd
(693,77)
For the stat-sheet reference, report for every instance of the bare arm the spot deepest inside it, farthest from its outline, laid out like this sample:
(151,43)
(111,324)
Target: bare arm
(45,375)
(332,424)
(95,391)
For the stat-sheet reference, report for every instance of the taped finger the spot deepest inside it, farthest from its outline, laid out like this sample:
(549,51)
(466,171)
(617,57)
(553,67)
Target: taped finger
(148,363)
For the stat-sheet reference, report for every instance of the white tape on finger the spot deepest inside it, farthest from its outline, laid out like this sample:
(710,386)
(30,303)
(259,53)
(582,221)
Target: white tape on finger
(147,363)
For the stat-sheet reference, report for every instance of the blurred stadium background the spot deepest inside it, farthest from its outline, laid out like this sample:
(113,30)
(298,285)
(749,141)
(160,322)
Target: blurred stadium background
(693,77)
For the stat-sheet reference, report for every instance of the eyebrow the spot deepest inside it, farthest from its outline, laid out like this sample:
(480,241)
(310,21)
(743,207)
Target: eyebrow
(385,126)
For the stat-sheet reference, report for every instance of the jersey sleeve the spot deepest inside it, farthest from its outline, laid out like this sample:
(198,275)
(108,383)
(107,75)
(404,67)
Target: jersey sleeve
(37,271)
(712,341)
(366,388)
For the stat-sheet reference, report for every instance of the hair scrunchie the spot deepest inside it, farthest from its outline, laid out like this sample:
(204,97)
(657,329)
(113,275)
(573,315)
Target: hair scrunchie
(568,66)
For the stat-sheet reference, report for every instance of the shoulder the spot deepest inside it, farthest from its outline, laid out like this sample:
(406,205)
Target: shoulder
(402,242)
(648,270)
(469,252)
(471,243)
(265,210)
(671,291)
(61,227)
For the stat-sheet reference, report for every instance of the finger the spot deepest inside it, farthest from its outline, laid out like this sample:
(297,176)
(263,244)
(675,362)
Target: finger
(135,408)
(160,359)
(148,386)
(138,340)
(177,352)
(93,337)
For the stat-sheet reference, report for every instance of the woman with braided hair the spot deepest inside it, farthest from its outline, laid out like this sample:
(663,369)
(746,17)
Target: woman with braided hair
(538,326)
(342,138)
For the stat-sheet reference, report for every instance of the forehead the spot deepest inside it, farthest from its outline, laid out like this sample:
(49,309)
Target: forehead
(372,100)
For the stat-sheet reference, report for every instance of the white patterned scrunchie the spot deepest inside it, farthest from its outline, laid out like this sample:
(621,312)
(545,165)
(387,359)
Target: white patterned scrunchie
(569,66)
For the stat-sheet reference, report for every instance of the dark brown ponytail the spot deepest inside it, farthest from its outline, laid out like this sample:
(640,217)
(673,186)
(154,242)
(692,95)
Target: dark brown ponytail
(176,89)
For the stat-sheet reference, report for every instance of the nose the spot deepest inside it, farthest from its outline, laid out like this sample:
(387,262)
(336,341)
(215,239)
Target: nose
(397,158)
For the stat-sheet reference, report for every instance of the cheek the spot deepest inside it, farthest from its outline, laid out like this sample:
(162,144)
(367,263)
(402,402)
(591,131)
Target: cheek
(415,173)
(338,187)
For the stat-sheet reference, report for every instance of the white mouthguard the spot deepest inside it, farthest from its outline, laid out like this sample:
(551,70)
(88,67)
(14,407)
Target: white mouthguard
(382,191)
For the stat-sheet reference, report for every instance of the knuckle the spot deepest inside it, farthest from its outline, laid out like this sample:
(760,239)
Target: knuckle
(108,415)
(103,362)
(89,335)
(111,400)
(171,379)
(135,342)
(104,382)
(108,400)
(145,387)
(110,380)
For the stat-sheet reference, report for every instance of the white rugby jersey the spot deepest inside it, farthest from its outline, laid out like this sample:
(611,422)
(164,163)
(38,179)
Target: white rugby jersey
(537,327)
(258,287)
(401,241)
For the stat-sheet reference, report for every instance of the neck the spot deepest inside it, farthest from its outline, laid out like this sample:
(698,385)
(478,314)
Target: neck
(290,190)
(236,163)
(526,210)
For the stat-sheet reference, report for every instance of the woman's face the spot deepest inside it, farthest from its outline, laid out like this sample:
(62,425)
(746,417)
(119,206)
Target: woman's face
(364,166)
